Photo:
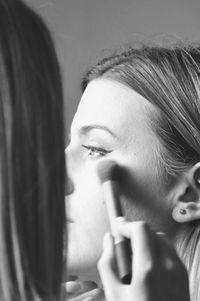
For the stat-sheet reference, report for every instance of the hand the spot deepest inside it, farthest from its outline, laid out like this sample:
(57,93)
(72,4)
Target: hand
(77,290)
(158,272)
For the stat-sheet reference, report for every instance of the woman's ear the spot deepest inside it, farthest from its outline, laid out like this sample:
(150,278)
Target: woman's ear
(187,196)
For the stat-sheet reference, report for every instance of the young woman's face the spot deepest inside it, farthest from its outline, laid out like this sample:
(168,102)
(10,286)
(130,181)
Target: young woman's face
(112,122)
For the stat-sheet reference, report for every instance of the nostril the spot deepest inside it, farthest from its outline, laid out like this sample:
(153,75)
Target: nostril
(69,186)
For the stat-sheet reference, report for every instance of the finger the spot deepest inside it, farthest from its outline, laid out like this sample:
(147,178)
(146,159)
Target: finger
(74,288)
(143,244)
(94,295)
(105,267)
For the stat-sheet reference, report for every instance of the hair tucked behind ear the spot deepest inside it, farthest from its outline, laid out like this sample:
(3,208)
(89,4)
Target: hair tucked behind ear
(32,163)
(169,78)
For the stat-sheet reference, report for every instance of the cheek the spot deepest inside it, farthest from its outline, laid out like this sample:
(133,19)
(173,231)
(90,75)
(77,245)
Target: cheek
(87,201)
(92,211)
(144,198)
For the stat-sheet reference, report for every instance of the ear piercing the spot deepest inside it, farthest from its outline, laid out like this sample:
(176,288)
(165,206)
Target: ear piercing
(182,211)
(197,177)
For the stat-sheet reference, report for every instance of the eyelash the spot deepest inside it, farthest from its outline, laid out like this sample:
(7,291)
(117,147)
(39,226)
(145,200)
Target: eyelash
(93,150)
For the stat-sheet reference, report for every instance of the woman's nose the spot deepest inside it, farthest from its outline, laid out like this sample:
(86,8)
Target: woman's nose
(69,185)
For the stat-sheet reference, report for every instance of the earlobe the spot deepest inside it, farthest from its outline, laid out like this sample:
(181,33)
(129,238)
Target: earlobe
(187,196)
(186,212)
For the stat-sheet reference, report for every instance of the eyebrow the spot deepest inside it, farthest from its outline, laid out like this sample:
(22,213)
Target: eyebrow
(87,128)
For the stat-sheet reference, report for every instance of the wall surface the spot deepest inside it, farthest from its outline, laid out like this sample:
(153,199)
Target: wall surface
(84,30)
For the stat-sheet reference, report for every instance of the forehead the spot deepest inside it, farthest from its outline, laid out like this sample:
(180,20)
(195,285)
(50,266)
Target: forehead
(112,104)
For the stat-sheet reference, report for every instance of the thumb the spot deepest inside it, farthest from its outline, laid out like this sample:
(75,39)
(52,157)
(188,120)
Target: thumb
(106,267)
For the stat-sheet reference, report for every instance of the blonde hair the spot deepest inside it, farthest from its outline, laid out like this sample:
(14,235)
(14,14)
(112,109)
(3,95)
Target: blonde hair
(32,166)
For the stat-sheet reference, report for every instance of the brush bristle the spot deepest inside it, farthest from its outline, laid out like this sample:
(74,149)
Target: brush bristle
(108,170)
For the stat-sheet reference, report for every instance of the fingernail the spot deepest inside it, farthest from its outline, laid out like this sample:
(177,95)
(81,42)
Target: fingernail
(72,287)
(120,219)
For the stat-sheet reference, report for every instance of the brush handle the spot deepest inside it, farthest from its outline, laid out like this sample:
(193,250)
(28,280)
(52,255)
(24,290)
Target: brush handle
(124,260)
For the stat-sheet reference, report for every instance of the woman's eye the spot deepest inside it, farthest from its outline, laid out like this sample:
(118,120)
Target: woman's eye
(95,152)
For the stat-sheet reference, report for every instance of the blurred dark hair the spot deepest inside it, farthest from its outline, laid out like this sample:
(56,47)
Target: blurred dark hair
(32,163)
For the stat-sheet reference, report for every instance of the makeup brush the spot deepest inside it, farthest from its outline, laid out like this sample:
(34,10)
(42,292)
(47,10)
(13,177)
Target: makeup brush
(109,175)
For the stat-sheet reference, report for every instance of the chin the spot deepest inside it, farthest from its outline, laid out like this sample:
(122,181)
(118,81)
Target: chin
(83,266)
(82,255)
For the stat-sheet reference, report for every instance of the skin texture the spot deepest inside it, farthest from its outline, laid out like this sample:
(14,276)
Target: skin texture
(116,120)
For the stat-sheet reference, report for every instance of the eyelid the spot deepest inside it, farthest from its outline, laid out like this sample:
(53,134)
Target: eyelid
(88,147)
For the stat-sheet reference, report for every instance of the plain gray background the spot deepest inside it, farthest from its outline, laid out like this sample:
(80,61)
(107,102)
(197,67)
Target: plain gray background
(84,30)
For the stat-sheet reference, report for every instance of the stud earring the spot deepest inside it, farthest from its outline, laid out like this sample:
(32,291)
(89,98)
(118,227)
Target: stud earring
(182,211)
